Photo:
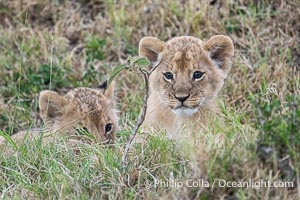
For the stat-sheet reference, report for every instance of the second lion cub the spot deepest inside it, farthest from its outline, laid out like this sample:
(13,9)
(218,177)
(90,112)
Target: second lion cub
(93,109)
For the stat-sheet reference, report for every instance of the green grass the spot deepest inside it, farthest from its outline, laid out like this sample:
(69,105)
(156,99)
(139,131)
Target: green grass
(256,135)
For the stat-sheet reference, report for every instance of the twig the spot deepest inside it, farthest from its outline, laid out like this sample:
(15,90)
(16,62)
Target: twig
(140,119)
(141,116)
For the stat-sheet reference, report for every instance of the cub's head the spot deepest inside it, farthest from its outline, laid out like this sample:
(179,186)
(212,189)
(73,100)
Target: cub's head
(88,108)
(190,72)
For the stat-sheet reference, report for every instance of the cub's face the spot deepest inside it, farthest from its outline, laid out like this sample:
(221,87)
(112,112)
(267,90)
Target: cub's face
(189,72)
(91,109)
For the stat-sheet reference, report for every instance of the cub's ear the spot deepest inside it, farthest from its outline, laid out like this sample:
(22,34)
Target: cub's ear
(109,92)
(220,49)
(51,104)
(103,85)
(151,47)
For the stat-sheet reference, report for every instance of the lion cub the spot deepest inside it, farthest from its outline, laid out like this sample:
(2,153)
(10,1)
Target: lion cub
(189,74)
(88,108)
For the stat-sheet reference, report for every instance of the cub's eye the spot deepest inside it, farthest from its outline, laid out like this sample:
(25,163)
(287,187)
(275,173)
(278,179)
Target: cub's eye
(108,127)
(197,75)
(168,76)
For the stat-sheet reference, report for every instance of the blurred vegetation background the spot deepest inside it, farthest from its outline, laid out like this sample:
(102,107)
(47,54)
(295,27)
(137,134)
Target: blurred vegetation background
(61,44)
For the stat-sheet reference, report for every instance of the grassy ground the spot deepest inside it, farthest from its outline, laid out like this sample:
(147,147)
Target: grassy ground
(60,44)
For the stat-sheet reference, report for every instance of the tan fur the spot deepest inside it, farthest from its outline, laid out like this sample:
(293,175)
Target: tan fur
(182,56)
(80,107)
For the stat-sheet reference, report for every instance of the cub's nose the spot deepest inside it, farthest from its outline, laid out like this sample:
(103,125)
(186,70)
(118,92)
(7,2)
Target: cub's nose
(182,98)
